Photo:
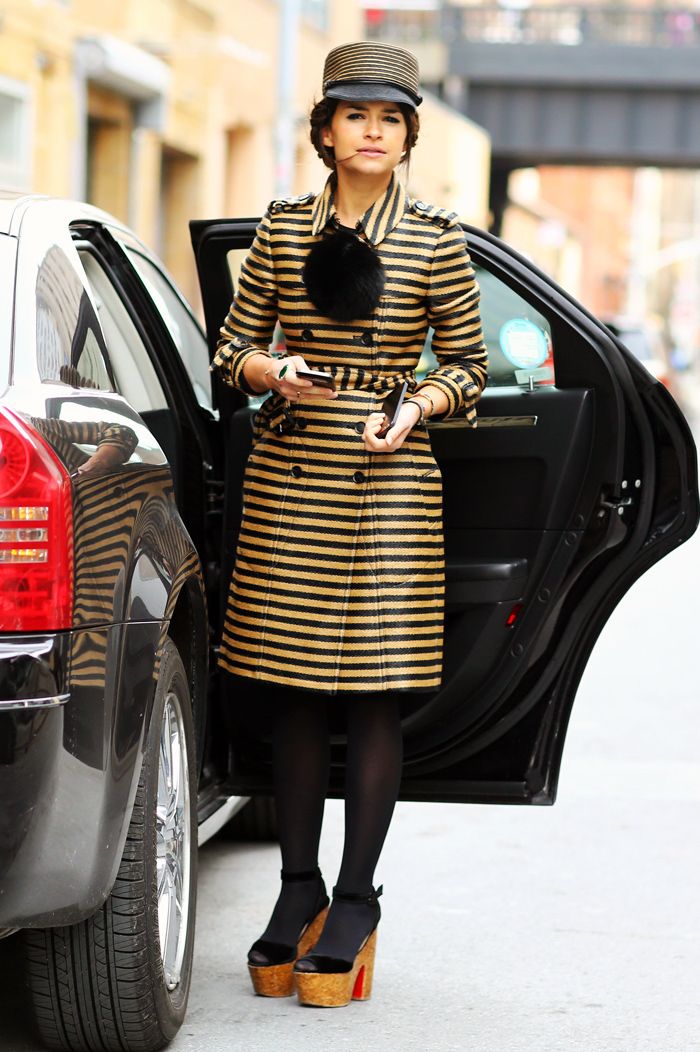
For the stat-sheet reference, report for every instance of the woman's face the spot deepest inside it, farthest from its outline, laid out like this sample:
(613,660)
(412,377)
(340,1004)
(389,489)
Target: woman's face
(368,137)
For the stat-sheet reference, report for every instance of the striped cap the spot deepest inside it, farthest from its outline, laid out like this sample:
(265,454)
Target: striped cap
(370,70)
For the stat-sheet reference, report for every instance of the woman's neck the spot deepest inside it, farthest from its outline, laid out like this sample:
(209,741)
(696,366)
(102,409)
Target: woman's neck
(353,196)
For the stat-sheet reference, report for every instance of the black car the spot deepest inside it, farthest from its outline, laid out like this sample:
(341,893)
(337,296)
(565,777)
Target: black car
(120,472)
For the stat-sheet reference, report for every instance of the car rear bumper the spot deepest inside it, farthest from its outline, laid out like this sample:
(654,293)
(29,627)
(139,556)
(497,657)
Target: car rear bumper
(73,707)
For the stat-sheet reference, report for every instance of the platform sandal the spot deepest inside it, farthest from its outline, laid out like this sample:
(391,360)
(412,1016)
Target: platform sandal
(331,982)
(271,963)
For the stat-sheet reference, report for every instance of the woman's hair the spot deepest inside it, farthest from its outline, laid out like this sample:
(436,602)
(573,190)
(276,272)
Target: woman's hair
(322,114)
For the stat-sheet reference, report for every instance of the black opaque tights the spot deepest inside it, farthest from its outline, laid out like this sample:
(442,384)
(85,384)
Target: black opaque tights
(301,759)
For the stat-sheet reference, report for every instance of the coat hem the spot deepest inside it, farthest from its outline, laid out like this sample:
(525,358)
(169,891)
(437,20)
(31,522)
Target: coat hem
(351,688)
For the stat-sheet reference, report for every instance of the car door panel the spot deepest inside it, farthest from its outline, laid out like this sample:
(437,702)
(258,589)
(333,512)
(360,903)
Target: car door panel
(549,514)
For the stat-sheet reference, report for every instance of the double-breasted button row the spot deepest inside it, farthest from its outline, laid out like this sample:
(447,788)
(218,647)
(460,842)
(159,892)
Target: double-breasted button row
(359,476)
(365,338)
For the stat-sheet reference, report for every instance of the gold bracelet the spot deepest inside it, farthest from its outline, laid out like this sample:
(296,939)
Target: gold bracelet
(422,394)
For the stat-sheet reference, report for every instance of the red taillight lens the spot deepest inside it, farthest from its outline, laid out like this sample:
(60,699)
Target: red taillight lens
(36,532)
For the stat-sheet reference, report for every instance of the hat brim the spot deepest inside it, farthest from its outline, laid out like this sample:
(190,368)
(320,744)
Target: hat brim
(366,91)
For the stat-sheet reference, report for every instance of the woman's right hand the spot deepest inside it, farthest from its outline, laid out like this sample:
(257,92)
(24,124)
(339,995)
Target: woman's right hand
(292,386)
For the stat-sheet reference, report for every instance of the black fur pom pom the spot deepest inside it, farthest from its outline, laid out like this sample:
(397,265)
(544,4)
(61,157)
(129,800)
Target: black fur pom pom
(344,277)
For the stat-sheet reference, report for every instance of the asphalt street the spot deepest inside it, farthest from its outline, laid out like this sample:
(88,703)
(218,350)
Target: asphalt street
(507,929)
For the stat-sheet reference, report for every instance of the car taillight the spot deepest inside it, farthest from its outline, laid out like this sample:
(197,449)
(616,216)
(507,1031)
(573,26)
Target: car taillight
(36,532)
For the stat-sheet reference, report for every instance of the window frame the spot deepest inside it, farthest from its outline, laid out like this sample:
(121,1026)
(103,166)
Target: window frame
(18,175)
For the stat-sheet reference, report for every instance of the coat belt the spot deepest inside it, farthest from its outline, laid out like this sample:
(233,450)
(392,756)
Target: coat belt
(278,414)
(352,378)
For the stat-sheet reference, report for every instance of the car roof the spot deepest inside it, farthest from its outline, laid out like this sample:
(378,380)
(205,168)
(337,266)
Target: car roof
(9,201)
(14,204)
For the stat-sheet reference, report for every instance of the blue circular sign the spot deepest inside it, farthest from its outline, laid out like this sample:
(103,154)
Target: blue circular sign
(523,343)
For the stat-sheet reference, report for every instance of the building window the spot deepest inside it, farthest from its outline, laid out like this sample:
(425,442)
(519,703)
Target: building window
(15,166)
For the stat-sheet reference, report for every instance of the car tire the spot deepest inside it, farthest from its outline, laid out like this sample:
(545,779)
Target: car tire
(256,821)
(112,982)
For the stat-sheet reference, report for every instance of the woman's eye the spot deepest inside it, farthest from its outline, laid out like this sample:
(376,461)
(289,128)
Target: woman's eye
(355,116)
(392,120)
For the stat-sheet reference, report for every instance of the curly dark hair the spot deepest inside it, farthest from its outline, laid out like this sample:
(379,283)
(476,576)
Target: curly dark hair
(322,114)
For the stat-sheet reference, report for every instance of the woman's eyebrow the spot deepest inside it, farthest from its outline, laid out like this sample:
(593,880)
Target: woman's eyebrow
(362,106)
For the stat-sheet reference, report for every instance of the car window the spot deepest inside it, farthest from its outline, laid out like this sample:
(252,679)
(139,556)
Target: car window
(184,330)
(135,377)
(518,338)
(70,344)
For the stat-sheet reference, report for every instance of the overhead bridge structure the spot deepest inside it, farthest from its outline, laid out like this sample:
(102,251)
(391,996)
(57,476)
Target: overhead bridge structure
(565,85)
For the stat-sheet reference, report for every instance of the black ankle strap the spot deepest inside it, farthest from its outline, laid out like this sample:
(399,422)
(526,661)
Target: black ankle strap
(369,897)
(307,874)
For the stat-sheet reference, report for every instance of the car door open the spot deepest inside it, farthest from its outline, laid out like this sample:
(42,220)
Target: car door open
(580,475)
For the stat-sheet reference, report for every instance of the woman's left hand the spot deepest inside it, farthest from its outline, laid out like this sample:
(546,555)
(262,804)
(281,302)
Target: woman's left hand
(409,415)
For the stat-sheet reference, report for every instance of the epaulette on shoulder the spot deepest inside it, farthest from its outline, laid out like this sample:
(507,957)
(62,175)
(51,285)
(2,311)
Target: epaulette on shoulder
(440,216)
(288,204)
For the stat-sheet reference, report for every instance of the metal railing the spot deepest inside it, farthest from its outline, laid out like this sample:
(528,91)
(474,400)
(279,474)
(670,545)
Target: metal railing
(564,26)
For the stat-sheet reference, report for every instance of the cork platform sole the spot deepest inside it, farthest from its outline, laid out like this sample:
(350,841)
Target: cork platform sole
(277,980)
(336,989)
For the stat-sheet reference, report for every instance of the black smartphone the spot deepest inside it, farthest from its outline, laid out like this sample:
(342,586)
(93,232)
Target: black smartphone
(392,407)
(318,377)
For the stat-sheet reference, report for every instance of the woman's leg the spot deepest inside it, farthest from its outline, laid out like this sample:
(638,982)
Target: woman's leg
(373,775)
(301,761)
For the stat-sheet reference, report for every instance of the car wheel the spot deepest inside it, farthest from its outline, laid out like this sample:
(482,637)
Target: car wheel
(256,821)
(120,980)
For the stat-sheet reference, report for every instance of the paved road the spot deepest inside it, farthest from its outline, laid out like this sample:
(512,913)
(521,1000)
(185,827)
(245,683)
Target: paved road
(510,929)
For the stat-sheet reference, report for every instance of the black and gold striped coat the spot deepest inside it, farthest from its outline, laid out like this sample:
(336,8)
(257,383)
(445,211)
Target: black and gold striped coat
(339,576)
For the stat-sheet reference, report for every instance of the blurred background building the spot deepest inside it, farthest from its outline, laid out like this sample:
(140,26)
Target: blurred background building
(572,130)
(160,111)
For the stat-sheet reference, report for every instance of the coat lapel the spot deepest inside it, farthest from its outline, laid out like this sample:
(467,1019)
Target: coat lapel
(377,222)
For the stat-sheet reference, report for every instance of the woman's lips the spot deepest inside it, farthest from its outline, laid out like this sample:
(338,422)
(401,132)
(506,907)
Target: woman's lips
(373,153)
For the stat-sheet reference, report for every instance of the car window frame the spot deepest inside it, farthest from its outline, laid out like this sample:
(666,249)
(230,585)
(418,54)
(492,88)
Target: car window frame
(129,246)
(174,379)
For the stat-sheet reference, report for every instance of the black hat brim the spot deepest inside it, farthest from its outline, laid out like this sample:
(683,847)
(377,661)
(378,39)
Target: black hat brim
(368,91)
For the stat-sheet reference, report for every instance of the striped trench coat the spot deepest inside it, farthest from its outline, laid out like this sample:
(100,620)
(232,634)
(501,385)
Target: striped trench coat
(339,578)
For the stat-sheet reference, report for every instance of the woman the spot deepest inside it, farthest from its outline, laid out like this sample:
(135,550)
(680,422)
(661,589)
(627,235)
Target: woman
(339,578)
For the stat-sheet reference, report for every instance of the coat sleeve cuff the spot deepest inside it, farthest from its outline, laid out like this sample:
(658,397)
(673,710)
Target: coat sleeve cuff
(461,392)
(229,362)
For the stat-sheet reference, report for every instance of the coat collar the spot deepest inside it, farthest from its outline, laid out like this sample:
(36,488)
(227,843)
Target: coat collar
(377,222)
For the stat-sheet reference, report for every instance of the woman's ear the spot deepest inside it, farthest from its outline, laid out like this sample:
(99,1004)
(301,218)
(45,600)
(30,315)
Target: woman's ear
(327,137)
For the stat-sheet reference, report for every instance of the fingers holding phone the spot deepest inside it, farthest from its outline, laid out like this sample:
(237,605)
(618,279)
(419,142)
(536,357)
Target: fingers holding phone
(292,378)
(387,430)
(396,435)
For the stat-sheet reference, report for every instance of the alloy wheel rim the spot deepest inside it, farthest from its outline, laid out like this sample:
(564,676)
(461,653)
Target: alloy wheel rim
(173,842)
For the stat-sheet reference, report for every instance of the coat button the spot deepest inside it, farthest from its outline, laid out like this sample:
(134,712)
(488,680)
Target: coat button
(358,477)
(360,428)
(367,339)
(297,472)
(307,334)
(301,422)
